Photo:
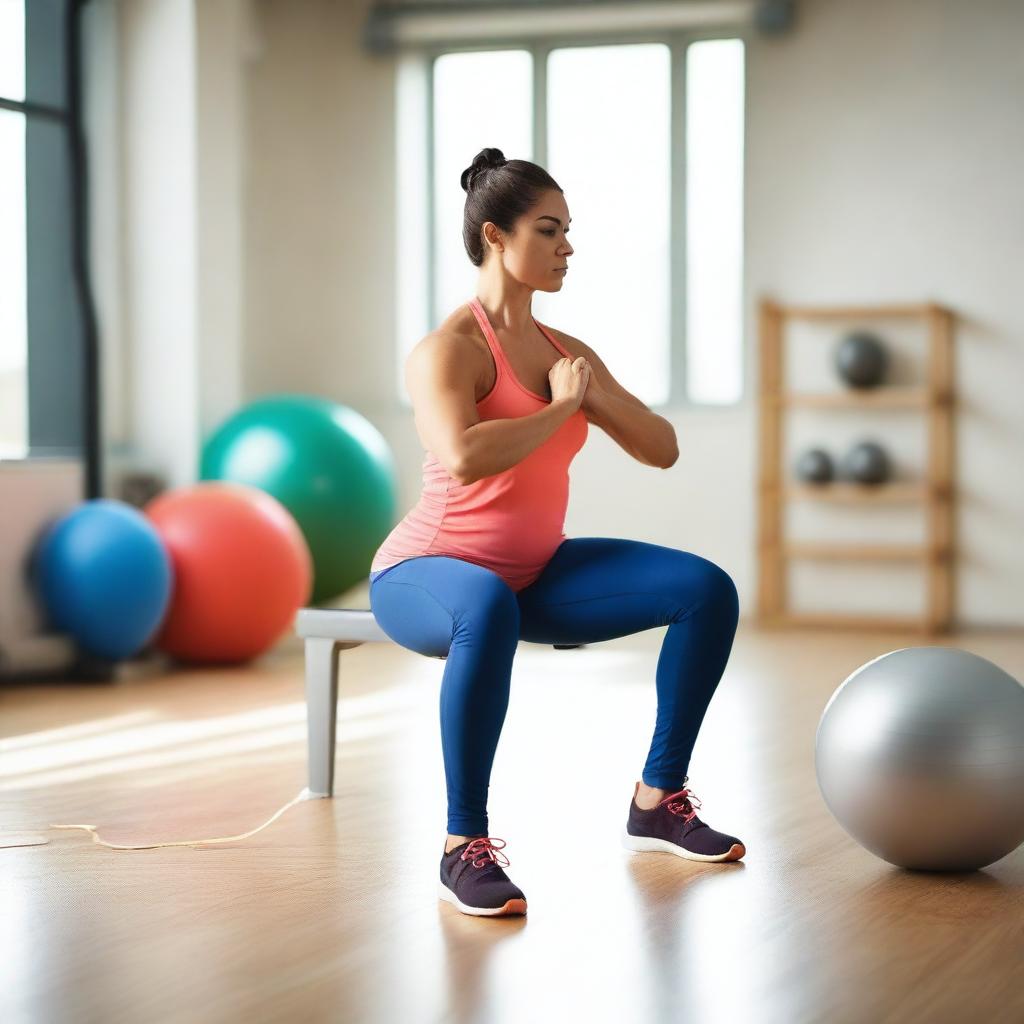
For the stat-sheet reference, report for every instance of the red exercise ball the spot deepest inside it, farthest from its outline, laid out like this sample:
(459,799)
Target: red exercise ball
(242,569)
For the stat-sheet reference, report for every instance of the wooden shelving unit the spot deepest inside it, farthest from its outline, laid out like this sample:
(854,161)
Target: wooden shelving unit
(936,493)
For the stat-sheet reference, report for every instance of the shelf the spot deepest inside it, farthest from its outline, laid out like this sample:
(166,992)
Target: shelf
(921,309)
(863,552)
(850,620)
(933,399)
(866,494)
(882,398)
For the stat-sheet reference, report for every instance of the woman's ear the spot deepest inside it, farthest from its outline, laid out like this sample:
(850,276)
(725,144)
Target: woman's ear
(493,235)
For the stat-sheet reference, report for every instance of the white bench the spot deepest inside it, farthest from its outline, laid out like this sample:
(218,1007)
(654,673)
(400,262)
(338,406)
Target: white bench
(327,631)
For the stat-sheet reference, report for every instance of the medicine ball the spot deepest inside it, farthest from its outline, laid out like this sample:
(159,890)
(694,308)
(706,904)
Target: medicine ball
(815,466)
(866,463)
(861,360)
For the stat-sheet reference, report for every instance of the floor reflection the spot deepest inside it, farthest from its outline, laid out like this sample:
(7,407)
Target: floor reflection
(684,936)
(470,946)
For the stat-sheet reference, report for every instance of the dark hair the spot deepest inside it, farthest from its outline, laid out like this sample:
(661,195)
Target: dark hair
(500,191)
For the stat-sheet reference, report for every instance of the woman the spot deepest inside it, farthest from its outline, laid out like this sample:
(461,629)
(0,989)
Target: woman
(502,405)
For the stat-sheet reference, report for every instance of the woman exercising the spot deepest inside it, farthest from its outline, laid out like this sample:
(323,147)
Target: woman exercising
(502,404)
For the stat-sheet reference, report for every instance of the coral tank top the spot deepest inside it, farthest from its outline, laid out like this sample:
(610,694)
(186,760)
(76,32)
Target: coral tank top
(511,522)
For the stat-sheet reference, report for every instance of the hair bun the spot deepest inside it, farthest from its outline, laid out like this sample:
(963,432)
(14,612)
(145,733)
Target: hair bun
(485,160)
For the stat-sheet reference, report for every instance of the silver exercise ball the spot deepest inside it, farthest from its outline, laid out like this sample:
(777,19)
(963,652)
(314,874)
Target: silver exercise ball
(920,757)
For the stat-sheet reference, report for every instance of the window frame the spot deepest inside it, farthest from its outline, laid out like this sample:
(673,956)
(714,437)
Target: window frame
(678,43)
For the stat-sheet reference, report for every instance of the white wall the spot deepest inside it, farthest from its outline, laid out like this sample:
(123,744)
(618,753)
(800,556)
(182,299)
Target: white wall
(883,159)
(224,41)
(320,314)
(159,240)
(165,118)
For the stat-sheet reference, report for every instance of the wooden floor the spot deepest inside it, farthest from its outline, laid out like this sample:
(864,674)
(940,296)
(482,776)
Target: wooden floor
(331,913)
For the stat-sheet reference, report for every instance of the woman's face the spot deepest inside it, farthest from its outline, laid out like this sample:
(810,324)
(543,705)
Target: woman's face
(539,250)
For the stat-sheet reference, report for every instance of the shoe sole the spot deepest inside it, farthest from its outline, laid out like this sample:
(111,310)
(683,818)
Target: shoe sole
(513,906)
(646,844)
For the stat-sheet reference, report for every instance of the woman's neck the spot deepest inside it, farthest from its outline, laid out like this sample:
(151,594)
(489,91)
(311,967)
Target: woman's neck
(508,311)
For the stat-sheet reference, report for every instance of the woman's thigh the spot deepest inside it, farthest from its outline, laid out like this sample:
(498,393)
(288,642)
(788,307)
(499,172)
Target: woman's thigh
(600,588)
(421,602)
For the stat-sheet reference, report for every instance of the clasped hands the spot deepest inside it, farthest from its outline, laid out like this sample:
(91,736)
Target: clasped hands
(562,374)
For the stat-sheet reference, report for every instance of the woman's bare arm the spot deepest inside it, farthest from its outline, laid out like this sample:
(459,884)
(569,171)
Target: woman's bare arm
(493,446)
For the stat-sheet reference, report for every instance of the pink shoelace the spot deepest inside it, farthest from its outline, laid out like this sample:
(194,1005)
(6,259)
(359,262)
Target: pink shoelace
(486,850)
(679,803)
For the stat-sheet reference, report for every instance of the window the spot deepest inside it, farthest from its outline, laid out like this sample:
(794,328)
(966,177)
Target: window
(609,147)
(44,327)
(13,311)
(646,139)
(470,90)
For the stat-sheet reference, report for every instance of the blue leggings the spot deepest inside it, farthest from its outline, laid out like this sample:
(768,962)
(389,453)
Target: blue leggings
(592,589)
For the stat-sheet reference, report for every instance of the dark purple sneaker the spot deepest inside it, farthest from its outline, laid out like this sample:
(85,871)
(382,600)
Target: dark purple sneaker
(673,827)
(472,880)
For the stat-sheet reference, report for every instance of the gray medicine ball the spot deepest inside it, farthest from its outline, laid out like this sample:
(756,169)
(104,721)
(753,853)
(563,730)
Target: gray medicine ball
(866,463)
(815,467)
(861,360)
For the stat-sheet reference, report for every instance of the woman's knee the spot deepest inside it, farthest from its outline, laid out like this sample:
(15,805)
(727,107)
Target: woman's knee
(704,583)
(720,590)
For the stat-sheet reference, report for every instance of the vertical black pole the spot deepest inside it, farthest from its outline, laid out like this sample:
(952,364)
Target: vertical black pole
(80,250)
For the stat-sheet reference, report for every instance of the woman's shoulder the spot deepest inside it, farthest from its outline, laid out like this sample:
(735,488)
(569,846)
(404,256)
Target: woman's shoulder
(455,331)
(453,338)
(459,327)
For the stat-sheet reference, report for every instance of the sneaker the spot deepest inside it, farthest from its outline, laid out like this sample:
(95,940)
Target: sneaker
(472,880)
(673,827)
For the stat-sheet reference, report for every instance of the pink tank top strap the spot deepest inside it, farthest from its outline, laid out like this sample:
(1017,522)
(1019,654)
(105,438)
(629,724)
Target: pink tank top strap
(492,340)
(554,341)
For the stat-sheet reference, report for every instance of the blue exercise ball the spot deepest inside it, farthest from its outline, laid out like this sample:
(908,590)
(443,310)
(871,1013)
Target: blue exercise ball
(103,575)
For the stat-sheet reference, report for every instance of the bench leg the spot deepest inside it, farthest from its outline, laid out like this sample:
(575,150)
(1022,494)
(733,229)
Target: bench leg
(321,712)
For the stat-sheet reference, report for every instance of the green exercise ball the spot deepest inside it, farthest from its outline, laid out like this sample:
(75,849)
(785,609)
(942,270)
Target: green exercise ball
(327,464)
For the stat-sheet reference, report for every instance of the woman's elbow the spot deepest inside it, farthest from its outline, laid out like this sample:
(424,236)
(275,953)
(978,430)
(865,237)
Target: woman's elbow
(462,472)
(673,454)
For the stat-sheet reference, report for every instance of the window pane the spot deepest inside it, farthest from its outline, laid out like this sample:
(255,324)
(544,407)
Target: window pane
(56,329)
(714,220)
(12,49)
(13,304)
(609,149)
(481,100)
